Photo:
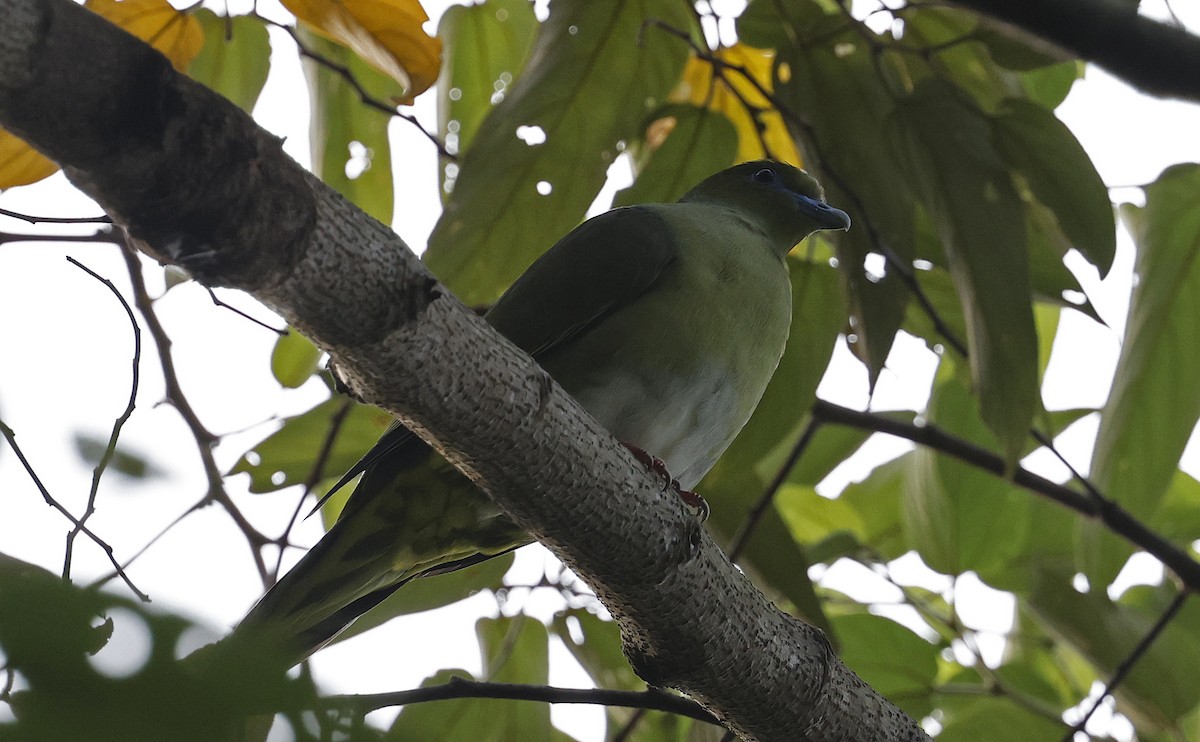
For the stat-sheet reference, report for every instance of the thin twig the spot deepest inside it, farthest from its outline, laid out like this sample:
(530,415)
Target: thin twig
(111,449)
(205,440)
(742,537)
(653,700)
(217,301)
(11,437)
(104,234)
(102,219)
(368,100)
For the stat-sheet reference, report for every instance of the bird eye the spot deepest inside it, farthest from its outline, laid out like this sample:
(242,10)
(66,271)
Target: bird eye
(765,176)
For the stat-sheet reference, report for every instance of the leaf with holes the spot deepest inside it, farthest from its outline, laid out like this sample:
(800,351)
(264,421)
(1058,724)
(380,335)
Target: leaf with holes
(589,85)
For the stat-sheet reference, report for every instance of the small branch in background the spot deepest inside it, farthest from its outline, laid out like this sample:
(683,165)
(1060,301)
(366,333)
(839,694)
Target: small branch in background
(368,100)
(651,700)
(104,234)
(1127,664)
(217,301)
(1116,518)
(102,219)
(625,731)
(205,440)
(11,437)
(742,537)
(118,424)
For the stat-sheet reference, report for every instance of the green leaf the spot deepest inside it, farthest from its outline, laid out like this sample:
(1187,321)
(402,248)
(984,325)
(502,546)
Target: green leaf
(878,499)
(91,449)
(485,47)
(1058,170)
(235,58)
(812,518)
(1150,413)
(695,143)
(286,457)
(843,100)
(952,509)
(1178,514)
(1049,86)
(349,140)
(892,659)
(294,359)
(946,145)
(592,78)
(998,720)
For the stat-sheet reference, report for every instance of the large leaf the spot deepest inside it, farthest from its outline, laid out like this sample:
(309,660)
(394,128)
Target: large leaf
(1151,411)
(515,650)
(1060,173)
(683,145)
(952,509)
(349,140)
(891,658)
(837,86)
(286,457)
(486,47)
(235,58)
(385,34)
(945,143)
(593,77)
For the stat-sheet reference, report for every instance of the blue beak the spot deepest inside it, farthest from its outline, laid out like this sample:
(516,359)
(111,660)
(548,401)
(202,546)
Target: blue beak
(822,213)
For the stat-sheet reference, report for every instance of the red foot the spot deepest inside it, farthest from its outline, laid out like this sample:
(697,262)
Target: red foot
(656,465)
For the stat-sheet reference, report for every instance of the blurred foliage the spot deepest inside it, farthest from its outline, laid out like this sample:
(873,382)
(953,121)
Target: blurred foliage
(938,135)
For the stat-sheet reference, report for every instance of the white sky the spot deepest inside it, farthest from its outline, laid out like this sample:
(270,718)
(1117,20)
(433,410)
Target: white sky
(66,349)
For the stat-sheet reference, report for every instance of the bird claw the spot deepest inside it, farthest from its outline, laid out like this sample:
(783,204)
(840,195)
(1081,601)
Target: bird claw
(693,501)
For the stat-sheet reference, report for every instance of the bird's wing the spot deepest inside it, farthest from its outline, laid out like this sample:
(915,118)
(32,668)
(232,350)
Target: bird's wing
(603,265)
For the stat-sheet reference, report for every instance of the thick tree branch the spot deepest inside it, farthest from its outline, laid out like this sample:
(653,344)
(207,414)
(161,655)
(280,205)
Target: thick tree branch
(194,181)
(1154,57)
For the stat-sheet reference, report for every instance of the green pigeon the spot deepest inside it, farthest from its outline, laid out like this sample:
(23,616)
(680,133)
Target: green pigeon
(665,322)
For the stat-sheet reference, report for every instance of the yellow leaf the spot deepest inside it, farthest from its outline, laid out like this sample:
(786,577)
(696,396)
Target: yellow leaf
(386,34)
(177,35)
(21,164)
(699,88)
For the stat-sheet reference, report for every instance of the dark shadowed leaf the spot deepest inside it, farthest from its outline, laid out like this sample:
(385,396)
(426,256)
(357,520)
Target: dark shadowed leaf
(1045,152)
(946,144)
